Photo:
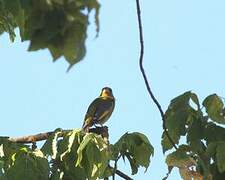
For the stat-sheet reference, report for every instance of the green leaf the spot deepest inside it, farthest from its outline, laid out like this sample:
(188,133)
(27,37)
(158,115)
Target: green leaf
(73,48)
(216,175)
(67,144)
(93,4)
(211,149)
(2,163)
(7,23)
(26,164)
(212,132)
(50,146)
(136,148)
(86,139)
(165,142)
(220,157)
(82,156)
(195,130)
(141,154)
(194,98)
(10,149)
(214,107)
(66,158)
(217,150)
(107,173)
(93,155)
(134,166)
(195,134)
(178,114)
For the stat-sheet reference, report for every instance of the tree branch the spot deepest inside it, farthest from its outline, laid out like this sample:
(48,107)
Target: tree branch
(103,131)
(36,137)
(122,175)
(141,38)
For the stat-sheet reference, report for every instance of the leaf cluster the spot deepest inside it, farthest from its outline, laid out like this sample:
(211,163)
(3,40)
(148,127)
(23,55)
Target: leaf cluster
(58,25)
(76,155)
(201,151)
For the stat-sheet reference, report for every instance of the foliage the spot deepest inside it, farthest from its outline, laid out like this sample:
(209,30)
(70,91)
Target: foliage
(203,154)
(76,155)
(59,25)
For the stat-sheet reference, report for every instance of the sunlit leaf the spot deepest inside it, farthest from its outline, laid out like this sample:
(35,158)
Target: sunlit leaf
(50,146)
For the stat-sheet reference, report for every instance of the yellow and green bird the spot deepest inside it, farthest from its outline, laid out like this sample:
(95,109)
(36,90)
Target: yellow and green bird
(100,109)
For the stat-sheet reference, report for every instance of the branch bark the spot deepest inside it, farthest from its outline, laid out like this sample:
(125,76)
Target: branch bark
(103,131)
(141,38)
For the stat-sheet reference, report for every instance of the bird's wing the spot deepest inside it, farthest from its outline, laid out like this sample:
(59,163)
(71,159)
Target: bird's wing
(90,114)
(104,110)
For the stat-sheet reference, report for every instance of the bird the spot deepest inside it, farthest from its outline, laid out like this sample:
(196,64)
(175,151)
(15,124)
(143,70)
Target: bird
(100,110)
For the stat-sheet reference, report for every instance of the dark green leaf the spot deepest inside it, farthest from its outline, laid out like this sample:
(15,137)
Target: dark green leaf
(60,26)
(165,142)
(216,150)
(136,148)
(26,164)
(214,107)
(212,133)
(178,114)
(195,130)
(195,134)
(216,175)
(211,149)
(220,157)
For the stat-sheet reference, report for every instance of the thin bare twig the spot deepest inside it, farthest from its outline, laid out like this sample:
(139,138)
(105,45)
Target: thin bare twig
(115,166)
(120,173)
(124,176)
(145,77)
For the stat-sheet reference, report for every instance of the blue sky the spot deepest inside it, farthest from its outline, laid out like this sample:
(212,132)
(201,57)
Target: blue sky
(184,50)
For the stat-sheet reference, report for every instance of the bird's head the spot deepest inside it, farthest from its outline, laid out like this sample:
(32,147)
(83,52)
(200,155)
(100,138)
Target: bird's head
(106,92)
